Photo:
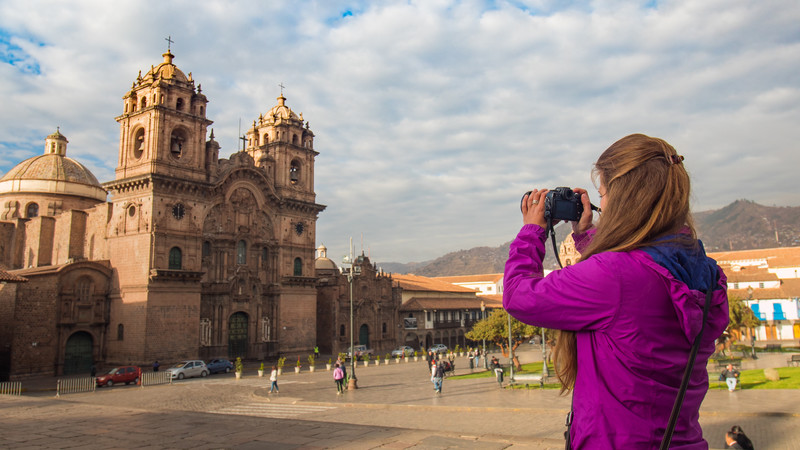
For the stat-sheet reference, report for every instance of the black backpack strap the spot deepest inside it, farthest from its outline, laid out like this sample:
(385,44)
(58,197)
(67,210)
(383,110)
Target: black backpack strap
(676,408)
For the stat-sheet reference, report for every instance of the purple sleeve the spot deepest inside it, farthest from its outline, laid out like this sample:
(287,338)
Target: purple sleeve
(585,296)
(583,240)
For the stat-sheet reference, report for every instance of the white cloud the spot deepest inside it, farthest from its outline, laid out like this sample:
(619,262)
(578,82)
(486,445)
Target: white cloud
(431,117)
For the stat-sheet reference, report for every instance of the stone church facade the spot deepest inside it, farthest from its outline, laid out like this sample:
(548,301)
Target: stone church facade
(182,255)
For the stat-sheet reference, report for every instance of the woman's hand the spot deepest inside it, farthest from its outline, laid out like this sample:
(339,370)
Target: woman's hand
(585,222)
(533,208)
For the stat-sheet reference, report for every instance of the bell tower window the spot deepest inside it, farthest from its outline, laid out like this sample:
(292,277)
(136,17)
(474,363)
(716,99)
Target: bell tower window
(294,172)
(177,143)
(144,102)
(138,143)
(179,104)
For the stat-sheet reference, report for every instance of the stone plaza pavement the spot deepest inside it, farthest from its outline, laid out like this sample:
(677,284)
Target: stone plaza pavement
(394,407)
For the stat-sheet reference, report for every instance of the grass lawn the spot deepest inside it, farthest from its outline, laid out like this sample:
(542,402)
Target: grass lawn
(754,379)
(749,379)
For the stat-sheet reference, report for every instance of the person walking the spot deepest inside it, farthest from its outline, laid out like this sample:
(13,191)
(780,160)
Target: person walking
(156,365)
(273,380)
(631,308)
(338,377)
(438,376)
(731,376)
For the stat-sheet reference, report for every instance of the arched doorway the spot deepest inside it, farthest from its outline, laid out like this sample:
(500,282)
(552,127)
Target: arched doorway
(363,335)
(237,335)
(78,356)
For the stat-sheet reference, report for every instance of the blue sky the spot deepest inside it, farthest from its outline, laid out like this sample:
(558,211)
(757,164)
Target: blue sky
(431,117)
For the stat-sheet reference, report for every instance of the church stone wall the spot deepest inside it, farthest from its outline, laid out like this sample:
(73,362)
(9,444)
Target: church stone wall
(35,347)
(173,321)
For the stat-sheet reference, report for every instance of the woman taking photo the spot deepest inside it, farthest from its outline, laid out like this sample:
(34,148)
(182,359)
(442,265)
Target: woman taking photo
(630,310)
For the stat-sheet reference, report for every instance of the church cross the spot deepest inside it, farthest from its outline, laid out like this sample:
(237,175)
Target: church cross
(169,42)
(282,86)
(243,139)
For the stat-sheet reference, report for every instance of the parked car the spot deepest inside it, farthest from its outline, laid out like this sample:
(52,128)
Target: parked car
(188,369)
(439,348)
(219,365)
(403,351)
(360,351)
(117,375)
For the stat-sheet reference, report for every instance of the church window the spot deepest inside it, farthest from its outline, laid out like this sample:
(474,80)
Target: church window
(120,332)
(177,142)
(341,330)
(84,293)
(264,255)
(131,210)
(294,139)
(138,143)
(206,249)
(175,258)
(294,172)
(298,267)
(266,139)
(179,104)
(32,210)
(241,252)
(144,102)
(383,327)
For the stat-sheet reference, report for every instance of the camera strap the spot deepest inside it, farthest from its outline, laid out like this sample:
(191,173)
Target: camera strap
(551,230)
(676,408)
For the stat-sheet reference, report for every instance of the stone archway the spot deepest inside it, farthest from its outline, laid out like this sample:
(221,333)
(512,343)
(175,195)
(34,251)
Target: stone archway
(237,335)
(78,356)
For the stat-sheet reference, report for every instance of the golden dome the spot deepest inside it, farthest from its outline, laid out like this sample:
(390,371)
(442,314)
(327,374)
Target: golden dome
(281,111)
(323,262)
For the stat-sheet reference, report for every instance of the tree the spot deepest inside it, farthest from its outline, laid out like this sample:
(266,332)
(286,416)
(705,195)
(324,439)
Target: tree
(741,316)
(495,329)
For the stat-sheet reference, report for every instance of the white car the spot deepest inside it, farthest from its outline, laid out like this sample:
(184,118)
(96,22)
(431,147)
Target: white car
(404,350)
(439,348)
(188,369)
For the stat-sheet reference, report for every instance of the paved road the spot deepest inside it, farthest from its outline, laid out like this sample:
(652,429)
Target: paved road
(394,407)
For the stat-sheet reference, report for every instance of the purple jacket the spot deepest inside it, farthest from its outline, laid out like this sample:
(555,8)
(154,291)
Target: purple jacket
(635,323)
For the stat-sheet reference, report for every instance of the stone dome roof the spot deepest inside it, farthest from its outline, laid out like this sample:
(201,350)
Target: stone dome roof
(323,262)
(281,111)
(166,70)
(52,172)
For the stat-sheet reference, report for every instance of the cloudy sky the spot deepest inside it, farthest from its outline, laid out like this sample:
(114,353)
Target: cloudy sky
(431,117)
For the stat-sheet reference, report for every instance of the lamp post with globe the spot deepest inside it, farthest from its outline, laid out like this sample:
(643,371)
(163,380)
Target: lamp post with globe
(352,383)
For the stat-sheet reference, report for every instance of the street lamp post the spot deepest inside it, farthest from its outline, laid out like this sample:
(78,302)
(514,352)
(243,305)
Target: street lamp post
(483,316)
(545,372)
(352,383)
(510,352)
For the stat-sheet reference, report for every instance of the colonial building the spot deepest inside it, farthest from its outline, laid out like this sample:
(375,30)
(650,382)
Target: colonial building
(375,304)
(767,280)
(192,256)
(483,284)
(438,312)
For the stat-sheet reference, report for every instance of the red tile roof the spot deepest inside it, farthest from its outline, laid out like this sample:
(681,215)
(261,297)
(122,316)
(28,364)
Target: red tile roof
(10,277)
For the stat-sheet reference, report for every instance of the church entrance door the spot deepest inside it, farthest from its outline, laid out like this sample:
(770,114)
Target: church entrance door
(237,335)
(78,354)
(363,335)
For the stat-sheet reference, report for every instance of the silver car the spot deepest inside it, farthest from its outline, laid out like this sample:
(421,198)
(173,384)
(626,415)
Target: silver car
(188,369)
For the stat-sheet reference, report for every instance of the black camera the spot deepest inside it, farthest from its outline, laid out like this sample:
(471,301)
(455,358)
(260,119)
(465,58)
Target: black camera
(561,203)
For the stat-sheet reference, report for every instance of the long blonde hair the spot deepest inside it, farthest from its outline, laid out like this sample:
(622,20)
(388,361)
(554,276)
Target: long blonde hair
(648,198)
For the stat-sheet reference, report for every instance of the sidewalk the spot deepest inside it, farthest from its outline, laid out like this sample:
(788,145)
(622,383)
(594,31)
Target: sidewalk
(394,407)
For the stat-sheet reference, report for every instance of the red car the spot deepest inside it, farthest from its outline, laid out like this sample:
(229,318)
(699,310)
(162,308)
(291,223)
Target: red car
(117,375)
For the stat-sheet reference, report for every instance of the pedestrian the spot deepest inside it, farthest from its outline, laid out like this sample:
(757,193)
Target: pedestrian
(438,376)
(641,281)
(338,377)
(739,438)
(93,371)
(273,380)
(316,351)
(731,377)
(156,365)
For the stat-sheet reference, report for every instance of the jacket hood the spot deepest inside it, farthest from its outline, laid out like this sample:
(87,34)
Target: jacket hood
(690,273)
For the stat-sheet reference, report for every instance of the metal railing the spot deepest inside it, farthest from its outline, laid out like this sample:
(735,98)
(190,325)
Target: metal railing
(154,378)
(75,385)
(11,388)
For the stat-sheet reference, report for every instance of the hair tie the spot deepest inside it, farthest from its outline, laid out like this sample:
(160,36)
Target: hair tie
(675,159)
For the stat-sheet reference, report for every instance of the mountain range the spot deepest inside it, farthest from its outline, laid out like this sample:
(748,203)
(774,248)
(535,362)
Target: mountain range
(742,225)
